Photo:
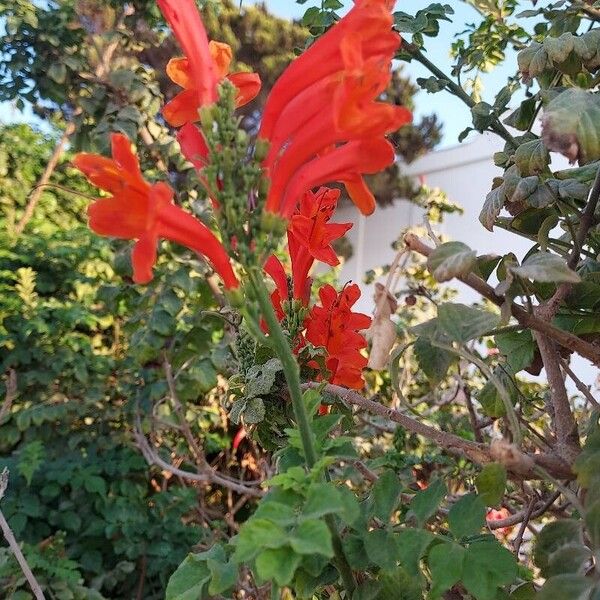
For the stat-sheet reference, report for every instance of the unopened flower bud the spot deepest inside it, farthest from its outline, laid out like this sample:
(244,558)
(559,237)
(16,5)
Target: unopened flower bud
(261,149)
(242,136)
(263,187)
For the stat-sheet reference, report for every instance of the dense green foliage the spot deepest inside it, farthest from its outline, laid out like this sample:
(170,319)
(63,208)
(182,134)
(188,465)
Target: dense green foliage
(119,403)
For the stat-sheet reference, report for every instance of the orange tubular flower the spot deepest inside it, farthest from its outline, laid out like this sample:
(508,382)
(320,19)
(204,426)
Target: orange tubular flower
(335,327)
(327,99)
(203,66)
(145,212)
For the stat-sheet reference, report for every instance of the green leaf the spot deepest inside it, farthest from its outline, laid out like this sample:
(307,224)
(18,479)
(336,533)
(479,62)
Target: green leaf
(488,566)
(260,379)
(432,84)
(189,580)
(450,260)
(412,546)
(31,457)
(573,587)
(322,499)
(445,562)
(491,483)
(463,323)
(400,584)
(386,493)
(533,60)
(467,516)
(570,558)
(571,125)
(223,576)
(482,116)
(277,512)
(522,117)
(518,347)
(532,157)
(95,484)
(381,546)
(525,591)
(433,361)
(546,267)
(256,534)
(592,523)
(494,201)
(554,536)
(277,564)
(489,397)
(426,502)
(312,537)
(254,411)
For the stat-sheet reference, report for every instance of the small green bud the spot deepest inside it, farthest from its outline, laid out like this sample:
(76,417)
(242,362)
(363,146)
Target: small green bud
(263,187)
(207,116)
(242,136)
(261,149)
(272,223)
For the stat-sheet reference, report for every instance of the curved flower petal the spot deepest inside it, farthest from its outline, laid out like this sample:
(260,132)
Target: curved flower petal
(122,216)
(248,87)
(182,109)
(369,21)
(276,272)
(179,226)
(221,54)
(343,163)
(179,71)
(193,145)
(123,155)
(146,213)
(334,327)
(143,257)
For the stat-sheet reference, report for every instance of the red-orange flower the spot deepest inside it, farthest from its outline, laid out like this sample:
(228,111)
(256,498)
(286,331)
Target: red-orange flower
(335,327)
(204,65)
(144,212)
(309,238)
(322,117)
(280,294)
(310,235)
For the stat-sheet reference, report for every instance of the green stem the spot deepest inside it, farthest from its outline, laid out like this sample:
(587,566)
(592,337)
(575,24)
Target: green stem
(292,376)
(290,368)
(456,90)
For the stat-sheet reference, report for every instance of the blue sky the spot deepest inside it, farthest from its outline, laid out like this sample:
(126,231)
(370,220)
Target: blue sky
(453,113)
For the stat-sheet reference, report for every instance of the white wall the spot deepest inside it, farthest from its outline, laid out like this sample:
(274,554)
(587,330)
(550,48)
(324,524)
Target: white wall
(465,173)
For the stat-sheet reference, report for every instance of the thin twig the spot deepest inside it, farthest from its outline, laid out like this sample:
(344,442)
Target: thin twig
(525,318)
(477,453)
(584,389)
(184,425)
(520,516)
(205,477)
(563,421)
(14,545)
(519,539)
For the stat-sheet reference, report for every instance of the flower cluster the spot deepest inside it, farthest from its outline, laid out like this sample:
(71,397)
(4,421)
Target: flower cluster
(331,326)
(323,122)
